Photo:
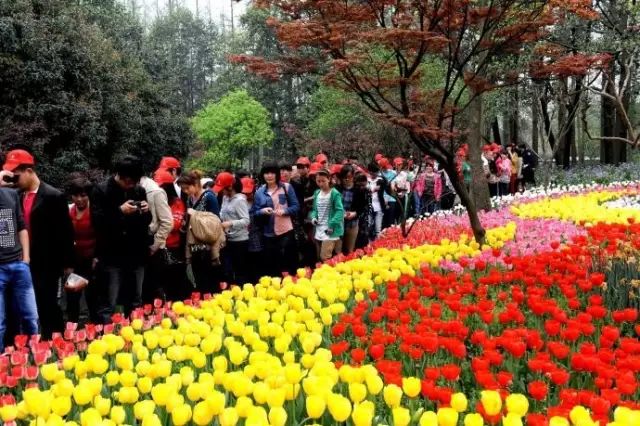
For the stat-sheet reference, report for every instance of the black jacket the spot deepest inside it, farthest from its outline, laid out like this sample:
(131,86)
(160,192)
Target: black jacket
(121,240)
(51,233)
(359,202)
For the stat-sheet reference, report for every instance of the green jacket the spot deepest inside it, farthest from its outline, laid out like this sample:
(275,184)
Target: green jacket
(336,212)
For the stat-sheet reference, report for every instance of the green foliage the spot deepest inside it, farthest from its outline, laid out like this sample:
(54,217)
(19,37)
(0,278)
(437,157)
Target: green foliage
(230,129)
(72,97)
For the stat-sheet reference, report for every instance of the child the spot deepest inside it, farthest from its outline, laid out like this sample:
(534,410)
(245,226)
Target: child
(327,216)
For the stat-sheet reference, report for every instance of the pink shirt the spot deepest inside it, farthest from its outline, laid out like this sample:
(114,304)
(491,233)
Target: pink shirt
(281,224)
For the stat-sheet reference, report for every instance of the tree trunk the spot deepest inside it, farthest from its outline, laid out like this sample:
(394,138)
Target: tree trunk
(506,135)
(608,124)
(620,150)
(535,117)
(479,187)
(561,150)
(514,116)
(546,120)
(479,232)
(495,129)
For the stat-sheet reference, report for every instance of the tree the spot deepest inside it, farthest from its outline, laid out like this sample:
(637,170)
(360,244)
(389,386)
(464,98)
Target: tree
(378,50)
(230,129)
(72,98)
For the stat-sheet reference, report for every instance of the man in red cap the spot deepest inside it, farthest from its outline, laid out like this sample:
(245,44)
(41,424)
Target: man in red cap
(322,159)
(46,218)
(173,166)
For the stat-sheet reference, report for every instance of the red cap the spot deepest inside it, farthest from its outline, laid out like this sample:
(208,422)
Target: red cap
(248,185)
(16,158)
(321,158)
(169,163)
(223,180)
(378,157)
(398,160)
(303,160)
(335,169)
(383,163)
(313,169)
(162,176)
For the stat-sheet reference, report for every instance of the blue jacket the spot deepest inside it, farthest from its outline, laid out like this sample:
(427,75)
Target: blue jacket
(262,200)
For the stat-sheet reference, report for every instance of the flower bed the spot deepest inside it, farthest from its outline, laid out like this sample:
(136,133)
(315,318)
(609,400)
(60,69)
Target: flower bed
(432,330)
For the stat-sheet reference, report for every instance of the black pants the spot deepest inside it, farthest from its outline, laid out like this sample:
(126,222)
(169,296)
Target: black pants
(91,293)
(176,286)
(234,257)
(493,189)
(49,312)
(503,187)
(255,266)
(447,200)
(281,254)
(206,274)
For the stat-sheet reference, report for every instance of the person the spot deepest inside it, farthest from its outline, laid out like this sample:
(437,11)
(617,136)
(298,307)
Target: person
(207,273)
(390,201)
(361,183)
(376,185)
(304,186)
(429,189)
(159,229)
(234,214)
(274,205)
(529,164)
(173,282)
(354,204)
(46,218)
(255,257)
(16,285)
(327,216)
(173,166)
(285,172)
(121,220)
(84,237)
(448,195)
(322,159)
(516,168)
(504,173)
(490,168)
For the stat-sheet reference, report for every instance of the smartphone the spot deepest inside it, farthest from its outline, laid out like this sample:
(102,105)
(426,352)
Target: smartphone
(138,204)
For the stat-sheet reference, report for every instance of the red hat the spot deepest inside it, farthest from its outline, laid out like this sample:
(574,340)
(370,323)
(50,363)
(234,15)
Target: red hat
(378,157)
(17,157)
(321,158)
(162,176)
(383,163)
(303,160)
(248,185)
(169,163)
(398,160)
(313,169)
(223,180)
(335,169)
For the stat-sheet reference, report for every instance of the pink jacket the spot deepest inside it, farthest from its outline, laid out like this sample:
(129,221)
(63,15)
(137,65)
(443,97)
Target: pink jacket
(421,181)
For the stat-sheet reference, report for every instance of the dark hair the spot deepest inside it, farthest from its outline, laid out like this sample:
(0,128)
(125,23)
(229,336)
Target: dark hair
(242,174)
(22,167)
(373,167)
(286,166)
(324,172)
(170,189)
(191,178)
(79,186)
(270,167)
(360,178)
(178,170)
(345,170)
(237,184)
(129,167)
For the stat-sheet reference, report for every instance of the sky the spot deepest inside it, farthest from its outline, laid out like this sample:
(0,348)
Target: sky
(217,8)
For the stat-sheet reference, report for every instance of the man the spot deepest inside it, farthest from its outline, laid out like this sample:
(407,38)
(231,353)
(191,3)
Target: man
(47,221)
(16,285)
(173,166)
(121,218)
(159,229)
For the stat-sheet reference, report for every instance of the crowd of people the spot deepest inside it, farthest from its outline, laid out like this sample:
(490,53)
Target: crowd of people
(135,238)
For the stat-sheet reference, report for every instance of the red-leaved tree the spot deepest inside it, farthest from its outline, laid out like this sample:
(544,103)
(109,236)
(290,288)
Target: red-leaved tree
(381,50)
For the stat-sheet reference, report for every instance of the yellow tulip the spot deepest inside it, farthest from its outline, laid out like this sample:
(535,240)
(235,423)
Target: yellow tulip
(90,417)
(447,416)
(558,421)
(315,406)
(113,378)
(512,419)
(181,414)
(202,414)
(428,418)
(293,373)
(578,414)
(216,401)
(103,405)
(145,384)
(339,407)
(81,395)
(491,402)
(151,420)
(277,416)
(411,386)
(9,412)
(363,413)
(401,416)
(161,393)
(243,405)
(228,417)
(118,414)
(374,384)
(124,361)
(517,404)
(392,395)
(357,392)
(473,419)
(49,371)
(459,402)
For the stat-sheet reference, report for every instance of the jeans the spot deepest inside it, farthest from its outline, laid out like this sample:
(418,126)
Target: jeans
(16,276)
(119,279)
(376,224)
(234,256)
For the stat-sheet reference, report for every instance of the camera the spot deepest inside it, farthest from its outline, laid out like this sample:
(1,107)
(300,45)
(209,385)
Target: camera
(11,179)
(138,204)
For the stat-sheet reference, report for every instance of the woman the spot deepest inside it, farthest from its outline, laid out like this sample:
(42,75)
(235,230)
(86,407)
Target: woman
(274,205)
(327,216)
(85,245)
(429,188)
(504,173)
(174,284)
(255,255)
(354,203)
(361,182)
(376,185)
(207,276)
(234,214)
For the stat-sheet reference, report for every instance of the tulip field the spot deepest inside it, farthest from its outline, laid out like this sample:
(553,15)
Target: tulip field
(538,327)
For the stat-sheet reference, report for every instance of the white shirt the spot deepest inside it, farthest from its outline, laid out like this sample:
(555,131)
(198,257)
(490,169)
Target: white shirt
(323,205)
(372,184)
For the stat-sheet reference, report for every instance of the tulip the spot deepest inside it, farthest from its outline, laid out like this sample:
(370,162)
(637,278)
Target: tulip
(392,395)
(357,392)
(363,413)
(473,419)
(558,421)
(90,417)
(9,412)
(117,414)
(491,402)
(411,386)
(181,415)
(277,416)
(339,407)
(216,401)
(228,417)
(428,418)
(447,416)
(202,414)
(315,406)
(517,404)
(512,419)
(374,384)
(459,402)
(401,416)
(143,409)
